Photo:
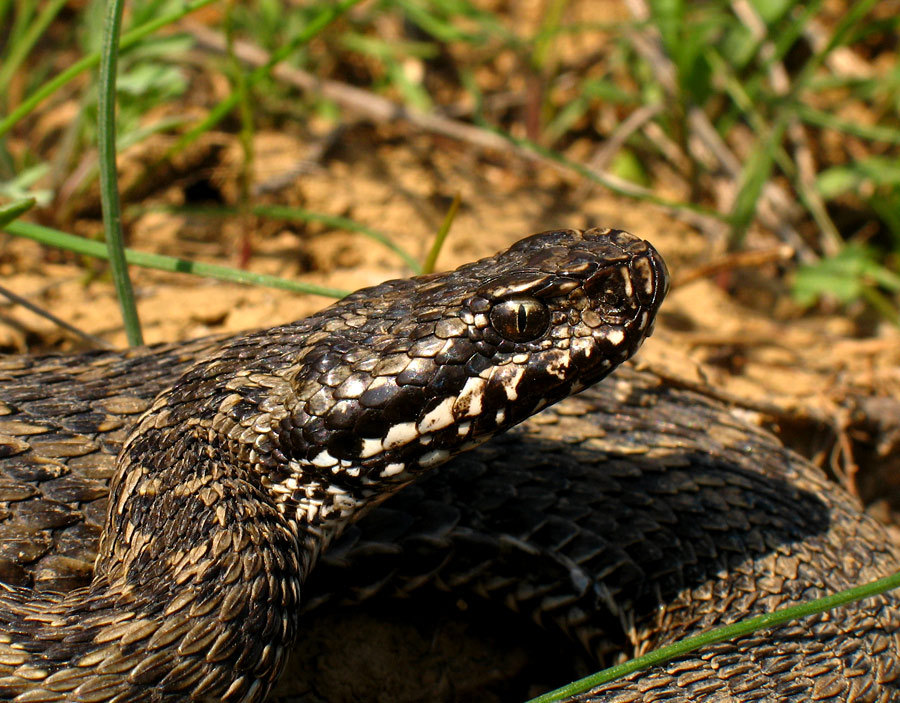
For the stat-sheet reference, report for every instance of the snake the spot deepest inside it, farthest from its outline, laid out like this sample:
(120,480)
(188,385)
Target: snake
(163,508)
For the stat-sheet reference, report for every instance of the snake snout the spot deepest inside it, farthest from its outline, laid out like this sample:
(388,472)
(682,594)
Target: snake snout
(656,285)
(652,269)
(629,289)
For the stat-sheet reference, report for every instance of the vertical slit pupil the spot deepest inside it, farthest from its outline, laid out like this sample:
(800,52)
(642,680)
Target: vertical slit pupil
(522,318)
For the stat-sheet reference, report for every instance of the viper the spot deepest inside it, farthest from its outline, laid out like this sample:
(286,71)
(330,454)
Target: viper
(164,507)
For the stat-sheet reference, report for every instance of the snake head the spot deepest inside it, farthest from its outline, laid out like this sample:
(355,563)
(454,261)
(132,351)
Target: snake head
(563,310)
(334,412)
(241,471)
(402,376)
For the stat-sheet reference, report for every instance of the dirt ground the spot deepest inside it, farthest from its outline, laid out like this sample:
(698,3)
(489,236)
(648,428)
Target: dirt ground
(826,381)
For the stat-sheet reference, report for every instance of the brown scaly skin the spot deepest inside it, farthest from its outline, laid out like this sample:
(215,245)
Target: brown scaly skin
(237,476)
(631,516)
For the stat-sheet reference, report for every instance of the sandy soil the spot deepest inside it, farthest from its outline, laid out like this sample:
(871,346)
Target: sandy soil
(819,378)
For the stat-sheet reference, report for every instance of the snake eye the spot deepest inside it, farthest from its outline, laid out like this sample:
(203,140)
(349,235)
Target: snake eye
(520,319)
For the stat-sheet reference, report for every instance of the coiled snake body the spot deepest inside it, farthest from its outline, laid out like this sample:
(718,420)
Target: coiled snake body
(648,513)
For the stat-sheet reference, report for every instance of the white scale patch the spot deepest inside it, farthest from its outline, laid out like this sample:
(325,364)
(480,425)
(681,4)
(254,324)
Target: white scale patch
(370,447)
(290,483)
(648,279)
(324,459)
(439,418)
(392,470)
(510,381)
(405,432)
(615,336)
(400,434)
(583,345)
(315,508)
(557,363)
(310,504)
(469,401)
(626,277)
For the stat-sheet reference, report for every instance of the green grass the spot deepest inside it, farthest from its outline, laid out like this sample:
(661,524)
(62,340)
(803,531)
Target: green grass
(722,634)
(757,92)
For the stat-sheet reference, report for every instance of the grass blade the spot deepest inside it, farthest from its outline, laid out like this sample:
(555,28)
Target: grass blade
(431,259)
(297,214)
(98,342)
(754,177)
(19,49)
(91,61)
(321,21)
(13,211)
(109,187)
(721,634)
(87,247)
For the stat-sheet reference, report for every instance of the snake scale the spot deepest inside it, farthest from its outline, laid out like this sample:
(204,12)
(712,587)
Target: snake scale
(210,476)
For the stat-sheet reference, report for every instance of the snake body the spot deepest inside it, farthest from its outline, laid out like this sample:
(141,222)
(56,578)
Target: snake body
(241,471)
(633,515)
(628,516)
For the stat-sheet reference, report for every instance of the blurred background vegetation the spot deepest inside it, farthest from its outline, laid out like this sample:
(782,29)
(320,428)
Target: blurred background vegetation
(767,114)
